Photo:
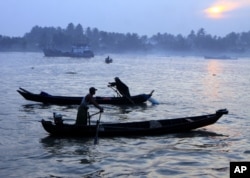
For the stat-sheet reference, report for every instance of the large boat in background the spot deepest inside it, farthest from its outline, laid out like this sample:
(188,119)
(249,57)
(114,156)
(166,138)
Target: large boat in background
(76,51)
(223,57)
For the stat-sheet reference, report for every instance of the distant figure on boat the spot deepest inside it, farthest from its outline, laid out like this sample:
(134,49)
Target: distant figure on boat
(82,113)
(108,60)
(121,87)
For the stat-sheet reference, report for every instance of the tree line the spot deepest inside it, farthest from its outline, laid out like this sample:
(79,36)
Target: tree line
(199,42)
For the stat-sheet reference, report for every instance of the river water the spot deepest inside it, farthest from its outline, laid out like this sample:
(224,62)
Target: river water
(184,86)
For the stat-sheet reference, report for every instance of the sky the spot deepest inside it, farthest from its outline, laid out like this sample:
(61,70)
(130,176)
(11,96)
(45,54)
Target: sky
(144,17)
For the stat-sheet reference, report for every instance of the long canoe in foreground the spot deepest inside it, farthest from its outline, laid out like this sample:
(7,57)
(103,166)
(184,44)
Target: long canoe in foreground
(143,128)
(46,98)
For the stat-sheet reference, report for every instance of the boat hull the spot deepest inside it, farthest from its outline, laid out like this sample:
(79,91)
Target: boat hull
(144,128)
(46,98)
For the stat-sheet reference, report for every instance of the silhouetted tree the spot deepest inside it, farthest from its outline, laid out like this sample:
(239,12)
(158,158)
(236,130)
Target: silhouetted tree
(101,41)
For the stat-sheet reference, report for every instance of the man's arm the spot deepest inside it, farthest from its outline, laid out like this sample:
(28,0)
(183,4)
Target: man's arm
(92,100)
(112,84)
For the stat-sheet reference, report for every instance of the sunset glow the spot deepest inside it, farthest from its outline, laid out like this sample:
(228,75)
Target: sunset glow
(221,8)
(215,11)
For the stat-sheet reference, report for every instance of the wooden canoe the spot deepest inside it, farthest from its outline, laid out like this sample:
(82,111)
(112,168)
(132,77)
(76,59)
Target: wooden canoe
(143,128)
(46,98)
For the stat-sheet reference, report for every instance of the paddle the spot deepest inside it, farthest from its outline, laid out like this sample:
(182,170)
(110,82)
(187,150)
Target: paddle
(93,115)
(97,130)
(115,90)
(128,98)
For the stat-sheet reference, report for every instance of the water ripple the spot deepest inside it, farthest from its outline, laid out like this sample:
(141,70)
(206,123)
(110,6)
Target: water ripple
(184,86)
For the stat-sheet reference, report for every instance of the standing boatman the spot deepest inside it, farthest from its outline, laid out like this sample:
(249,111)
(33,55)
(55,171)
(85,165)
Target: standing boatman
(82,113)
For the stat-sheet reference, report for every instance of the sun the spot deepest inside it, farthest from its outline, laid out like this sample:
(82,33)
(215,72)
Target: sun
(221,9)
(215,11)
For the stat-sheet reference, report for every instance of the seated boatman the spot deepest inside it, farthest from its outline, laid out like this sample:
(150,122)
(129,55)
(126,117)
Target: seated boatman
(82,113)
(121,87)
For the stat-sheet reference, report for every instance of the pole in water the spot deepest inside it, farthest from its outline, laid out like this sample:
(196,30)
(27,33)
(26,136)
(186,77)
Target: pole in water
(97,130)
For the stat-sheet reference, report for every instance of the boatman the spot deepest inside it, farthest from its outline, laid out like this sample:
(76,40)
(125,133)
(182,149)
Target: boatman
(121,87)
(82,113)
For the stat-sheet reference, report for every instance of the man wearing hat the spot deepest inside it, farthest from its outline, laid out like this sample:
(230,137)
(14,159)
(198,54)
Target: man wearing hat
(82,113)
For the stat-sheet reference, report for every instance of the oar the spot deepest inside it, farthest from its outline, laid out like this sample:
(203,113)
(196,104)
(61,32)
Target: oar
(130,99)
(97,130)
(115,90)
(93,115)
(124,95)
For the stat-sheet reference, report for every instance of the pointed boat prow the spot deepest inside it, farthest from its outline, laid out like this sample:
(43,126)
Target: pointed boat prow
(222,111)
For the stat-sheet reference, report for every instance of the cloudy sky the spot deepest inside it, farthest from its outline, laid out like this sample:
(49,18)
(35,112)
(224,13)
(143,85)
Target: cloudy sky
(144,17)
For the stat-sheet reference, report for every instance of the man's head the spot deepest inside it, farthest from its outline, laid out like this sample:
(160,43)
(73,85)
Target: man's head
(92,90)
(117,79)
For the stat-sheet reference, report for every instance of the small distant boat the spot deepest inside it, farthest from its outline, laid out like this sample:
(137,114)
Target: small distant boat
(139,128)
(108,60)
(77,51)
(224,57)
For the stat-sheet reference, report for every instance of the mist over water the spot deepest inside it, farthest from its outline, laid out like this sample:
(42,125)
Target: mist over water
(184,86)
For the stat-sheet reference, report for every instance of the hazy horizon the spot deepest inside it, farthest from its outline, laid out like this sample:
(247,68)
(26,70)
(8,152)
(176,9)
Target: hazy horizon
(217,17)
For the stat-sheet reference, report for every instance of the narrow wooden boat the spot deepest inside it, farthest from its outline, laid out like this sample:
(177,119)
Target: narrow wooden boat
(143,128)
(46,98)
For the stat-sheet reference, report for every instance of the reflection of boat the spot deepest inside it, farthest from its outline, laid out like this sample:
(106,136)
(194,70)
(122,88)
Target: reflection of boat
(139,128)
(220,57)
(70,100)
(76,51)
